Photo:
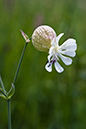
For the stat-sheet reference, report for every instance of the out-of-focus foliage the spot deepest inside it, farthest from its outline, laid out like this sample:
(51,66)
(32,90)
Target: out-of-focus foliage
(43,100)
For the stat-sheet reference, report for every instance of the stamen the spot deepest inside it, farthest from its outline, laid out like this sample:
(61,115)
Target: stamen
(51,62)
(54,61)
(49,65)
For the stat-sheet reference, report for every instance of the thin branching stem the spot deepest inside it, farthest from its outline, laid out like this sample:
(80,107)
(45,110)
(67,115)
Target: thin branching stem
(15,77)
(16,74)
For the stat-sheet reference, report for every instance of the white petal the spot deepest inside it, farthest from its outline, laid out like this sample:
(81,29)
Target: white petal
(69,44)
(69,53)
(56,40)
(54,43)
(48,67)
(58,67)
(49,57)
(58,37)
(51,50)
(66,60)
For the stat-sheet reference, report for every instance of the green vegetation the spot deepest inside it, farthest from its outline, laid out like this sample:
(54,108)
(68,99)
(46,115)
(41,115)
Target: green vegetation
(43,100)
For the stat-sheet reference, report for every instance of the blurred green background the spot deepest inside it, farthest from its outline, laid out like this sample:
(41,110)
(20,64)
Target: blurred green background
(43,100)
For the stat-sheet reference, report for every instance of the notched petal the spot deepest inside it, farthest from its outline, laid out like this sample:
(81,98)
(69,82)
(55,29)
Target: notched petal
(69,44)
(58,67)
(69,53)
(66,60)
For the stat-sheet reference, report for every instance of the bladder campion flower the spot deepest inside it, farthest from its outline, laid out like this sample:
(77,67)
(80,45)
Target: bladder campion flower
(44,39)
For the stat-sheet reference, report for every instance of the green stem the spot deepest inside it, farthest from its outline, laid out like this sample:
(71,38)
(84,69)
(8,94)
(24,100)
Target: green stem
(19,63)
(15,77)
(9,113)
(2,85)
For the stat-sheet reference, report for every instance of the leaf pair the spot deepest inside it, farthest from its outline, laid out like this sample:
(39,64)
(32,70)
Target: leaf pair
(3,93)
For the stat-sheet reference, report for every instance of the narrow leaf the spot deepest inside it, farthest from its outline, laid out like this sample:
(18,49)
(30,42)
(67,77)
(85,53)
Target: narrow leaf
(11,91)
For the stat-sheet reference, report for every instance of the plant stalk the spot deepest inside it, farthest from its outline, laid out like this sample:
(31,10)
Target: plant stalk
(15,77)
(9,113)
(16,74)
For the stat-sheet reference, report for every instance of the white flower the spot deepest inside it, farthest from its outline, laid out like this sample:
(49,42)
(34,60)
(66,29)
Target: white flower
(55,52)
(44,39)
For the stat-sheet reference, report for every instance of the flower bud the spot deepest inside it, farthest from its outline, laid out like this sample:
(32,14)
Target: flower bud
(42,38)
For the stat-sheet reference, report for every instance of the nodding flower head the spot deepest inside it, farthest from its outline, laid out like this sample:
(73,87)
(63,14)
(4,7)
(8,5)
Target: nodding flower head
(42,38)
